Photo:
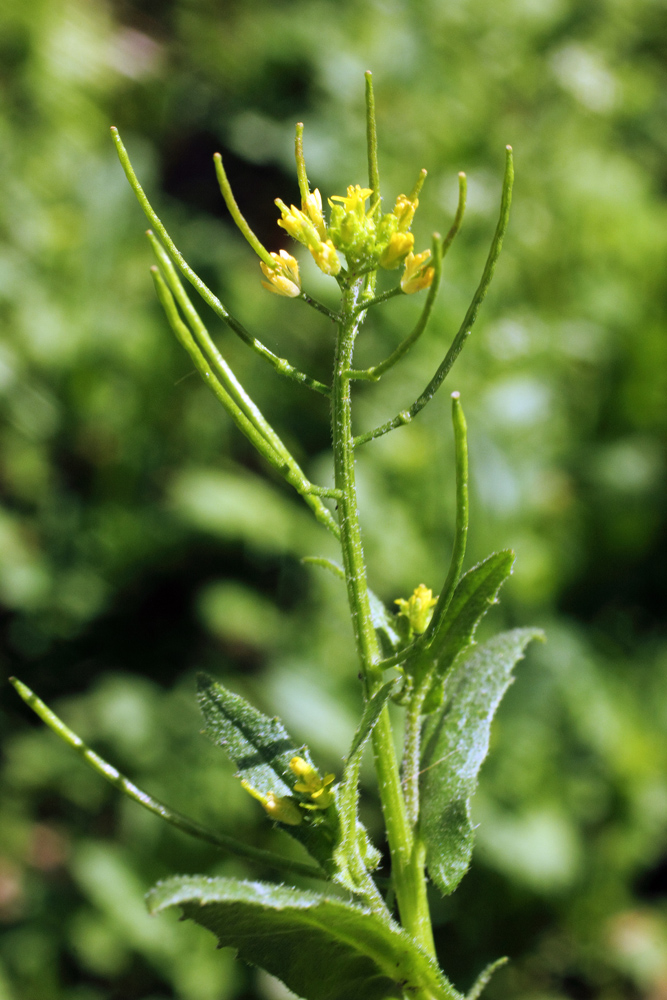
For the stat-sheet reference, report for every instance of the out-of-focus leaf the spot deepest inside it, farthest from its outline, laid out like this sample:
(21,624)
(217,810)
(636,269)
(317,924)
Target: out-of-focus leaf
(322,948)
(456,741)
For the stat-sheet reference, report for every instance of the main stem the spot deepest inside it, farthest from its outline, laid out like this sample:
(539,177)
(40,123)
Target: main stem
(407,861)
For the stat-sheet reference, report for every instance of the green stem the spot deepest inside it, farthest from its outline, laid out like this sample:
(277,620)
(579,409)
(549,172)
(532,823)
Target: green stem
(181,822)
(280,364)
(320,308)
(458,218)
(412,749)
(236,214)
(464,331)
(461,530)
(377,299)
(349,846)
(372,142)
(407,869)
(301,173)
(420,326)
(247,417)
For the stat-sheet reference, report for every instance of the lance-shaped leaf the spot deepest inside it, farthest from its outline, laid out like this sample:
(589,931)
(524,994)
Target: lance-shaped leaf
(322,948)
(261,748)
(474,595)
(456,741)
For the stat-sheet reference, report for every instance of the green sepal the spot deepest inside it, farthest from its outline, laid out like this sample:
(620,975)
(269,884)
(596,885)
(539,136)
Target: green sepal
(455,743)
(261,748)
(321,947)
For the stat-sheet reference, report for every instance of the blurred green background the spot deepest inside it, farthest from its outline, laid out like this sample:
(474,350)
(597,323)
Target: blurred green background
(141,538)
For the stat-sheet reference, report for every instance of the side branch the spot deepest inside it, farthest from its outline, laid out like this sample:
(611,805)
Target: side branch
(219,377)
(181,822)
(438,251)
(280,364)
(420,326)
(461,529)
(405,416)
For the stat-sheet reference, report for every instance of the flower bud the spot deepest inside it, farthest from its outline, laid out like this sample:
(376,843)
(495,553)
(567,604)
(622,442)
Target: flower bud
(280,808)
(312,207)
(283,279)
(417,275)
(326,258)
(418,608)
(297,224)
(397,249)
(404,210)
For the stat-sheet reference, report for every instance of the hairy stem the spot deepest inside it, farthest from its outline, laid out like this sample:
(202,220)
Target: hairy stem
(407,872)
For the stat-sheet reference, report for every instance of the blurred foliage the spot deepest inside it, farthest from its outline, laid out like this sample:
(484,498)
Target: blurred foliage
(141,539)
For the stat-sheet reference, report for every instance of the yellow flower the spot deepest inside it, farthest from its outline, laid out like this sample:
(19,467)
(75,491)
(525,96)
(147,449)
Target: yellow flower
(310,783)
(418,608)
(280,808)
(283,279)
(398,247)
(404,210)
(298,225)
(416,275)
(326,258)
(312,206)
(355,200)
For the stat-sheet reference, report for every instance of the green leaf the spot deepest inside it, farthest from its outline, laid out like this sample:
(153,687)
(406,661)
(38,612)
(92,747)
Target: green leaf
(371,714)
(474,595)
(262,749)
(455,743)
(322,948)
(386,626)
(484,978)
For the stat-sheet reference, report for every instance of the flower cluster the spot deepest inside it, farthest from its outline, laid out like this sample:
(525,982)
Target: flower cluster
(360,233)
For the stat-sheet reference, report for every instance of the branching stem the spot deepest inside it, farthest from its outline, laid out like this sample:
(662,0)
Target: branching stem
(181,822)
(405,416)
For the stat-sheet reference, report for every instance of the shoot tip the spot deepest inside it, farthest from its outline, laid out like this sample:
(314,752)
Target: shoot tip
(456,395)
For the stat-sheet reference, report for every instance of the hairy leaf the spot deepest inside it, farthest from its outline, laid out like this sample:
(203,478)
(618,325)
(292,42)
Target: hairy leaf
(386,625)
(455,742)
(474,595)
(371,714)
(322,948)
(262,750)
